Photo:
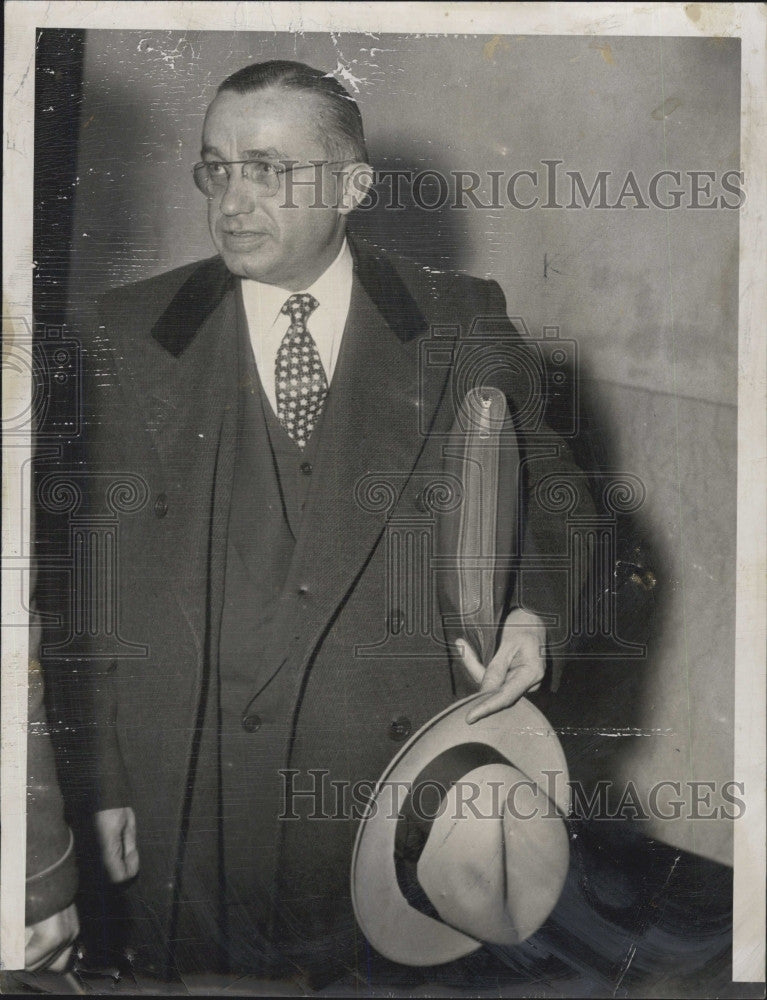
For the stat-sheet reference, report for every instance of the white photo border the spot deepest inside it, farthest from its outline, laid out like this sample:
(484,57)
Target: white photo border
(738,20)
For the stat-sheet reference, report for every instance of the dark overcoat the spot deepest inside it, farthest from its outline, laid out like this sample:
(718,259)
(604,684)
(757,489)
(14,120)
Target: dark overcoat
(161,418)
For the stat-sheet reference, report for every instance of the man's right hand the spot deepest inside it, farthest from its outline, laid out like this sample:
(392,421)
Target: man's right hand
(116,832)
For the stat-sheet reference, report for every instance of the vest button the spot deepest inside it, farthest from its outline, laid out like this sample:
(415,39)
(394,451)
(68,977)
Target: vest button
(251,723)
(161,505)
(306,468)
(400,728)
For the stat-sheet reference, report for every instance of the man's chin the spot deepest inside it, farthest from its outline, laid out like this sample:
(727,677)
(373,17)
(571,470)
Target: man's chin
(256,266)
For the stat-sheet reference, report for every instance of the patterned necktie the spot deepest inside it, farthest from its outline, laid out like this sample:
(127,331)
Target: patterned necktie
(300,380)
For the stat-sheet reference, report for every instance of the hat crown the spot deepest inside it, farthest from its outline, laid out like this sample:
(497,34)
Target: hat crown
(496,857)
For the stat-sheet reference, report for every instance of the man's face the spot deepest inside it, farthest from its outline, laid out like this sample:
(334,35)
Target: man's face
(278,240)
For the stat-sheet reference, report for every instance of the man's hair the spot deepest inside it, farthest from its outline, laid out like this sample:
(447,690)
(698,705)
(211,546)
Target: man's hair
(339,121)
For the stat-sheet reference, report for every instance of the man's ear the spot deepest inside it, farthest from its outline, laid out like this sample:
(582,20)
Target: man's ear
(356,180)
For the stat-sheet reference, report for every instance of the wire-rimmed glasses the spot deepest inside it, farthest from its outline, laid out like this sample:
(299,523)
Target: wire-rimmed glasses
(212,177)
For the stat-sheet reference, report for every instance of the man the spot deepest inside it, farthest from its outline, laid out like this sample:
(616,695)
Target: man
(248,400)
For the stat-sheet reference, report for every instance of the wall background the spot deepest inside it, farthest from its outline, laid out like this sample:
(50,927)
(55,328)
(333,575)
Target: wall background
(650,296)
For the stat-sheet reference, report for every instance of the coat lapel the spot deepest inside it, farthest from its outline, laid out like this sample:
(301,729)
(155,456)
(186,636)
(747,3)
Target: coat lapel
(200,457)
(185,386)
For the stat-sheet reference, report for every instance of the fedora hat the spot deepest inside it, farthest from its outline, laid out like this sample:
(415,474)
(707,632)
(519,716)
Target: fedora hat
(464,841)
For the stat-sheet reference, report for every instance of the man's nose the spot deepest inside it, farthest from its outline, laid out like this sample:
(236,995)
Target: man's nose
(239,198)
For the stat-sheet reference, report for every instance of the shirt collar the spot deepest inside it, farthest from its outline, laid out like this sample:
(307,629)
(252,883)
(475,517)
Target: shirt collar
(333,284)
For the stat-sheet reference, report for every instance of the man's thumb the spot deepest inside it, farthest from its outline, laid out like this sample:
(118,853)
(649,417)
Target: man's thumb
(473,666)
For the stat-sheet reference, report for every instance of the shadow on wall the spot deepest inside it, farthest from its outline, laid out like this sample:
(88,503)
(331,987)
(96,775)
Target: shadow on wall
(599,706)
(122,225)
(399,219)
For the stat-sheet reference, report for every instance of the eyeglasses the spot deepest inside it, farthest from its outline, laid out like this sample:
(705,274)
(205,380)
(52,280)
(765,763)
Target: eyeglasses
(265,175)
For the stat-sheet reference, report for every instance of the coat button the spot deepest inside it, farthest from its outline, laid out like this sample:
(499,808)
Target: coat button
(306,468)
(400,728)
(161,505)
(251,723)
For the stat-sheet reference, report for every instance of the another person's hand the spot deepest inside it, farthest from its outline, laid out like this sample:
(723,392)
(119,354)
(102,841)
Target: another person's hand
(49,944)
(116,832)
(517,667)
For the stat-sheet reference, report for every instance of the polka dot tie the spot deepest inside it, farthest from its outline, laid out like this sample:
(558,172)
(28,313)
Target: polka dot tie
(300,380)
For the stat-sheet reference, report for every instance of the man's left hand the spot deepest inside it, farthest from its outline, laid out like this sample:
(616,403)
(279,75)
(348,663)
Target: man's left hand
(517,667)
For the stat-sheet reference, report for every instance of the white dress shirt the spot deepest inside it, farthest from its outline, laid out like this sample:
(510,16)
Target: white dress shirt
(267,325)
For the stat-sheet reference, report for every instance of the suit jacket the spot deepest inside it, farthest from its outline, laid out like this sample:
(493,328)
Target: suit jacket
(160,419)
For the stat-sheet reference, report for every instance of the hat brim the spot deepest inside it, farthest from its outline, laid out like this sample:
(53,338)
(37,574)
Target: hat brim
(523,736)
